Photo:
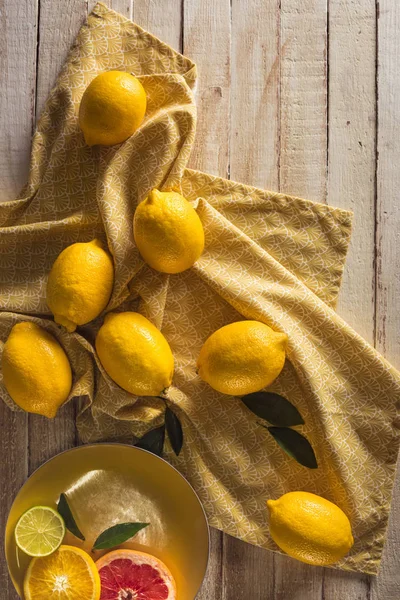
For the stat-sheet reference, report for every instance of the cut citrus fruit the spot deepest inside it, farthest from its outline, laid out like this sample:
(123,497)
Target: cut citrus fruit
(134,575)
(68,574)
(39,531)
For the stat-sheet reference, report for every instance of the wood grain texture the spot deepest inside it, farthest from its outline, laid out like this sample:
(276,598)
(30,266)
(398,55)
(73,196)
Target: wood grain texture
(207,41)
(163,18)
(57,31)
(352,137)
(255,90)
(13,472)
(351,184)
(387,585)
(125,7)
(19,22)
(247,571)
(303,159)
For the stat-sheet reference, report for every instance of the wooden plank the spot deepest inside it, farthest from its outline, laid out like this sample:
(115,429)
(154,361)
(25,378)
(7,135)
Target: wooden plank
(17,92)
(351,180)
(17,106)
(254,135)
(351,184)
(304,98)
(387,584)
(303,171)
(206,40)
(13,472)
(163,19)
(125,7)
(254,159)
(58,28)
(342,585)
(247,571)
(351,177)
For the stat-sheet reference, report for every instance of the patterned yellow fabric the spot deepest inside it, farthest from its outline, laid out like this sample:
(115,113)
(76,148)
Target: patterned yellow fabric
(268,256)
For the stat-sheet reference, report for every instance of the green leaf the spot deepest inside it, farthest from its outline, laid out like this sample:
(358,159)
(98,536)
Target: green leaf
(174,429)
(274,408)
(153,440)
(118,534)
(66,513)
(295,445)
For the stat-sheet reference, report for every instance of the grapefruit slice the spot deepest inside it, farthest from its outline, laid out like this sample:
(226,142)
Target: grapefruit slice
(132,575)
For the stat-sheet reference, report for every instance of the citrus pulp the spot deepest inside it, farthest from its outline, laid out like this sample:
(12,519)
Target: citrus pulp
(134,575)
(67,574)
(39,531)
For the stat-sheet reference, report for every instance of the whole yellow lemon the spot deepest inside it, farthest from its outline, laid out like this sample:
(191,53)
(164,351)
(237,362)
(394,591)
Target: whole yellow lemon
(168,232)
(36,370)
(310,528)
(135,354)
(80,284)
(242,357)
(112,108)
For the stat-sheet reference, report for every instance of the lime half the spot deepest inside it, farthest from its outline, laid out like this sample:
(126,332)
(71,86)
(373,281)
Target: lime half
(40,531)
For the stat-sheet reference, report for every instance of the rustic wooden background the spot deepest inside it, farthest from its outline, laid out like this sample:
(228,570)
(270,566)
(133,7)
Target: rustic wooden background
(297,95)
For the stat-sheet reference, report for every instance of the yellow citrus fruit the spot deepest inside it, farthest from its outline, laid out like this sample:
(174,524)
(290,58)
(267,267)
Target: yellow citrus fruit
(80,284)
(68,574)
(310,528)
(135,354)
(112,108)
(36,370)
(168,232)
(242,357)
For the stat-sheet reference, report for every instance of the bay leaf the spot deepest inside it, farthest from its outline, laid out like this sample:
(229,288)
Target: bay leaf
(64,510)
(153,440)
(274,408)
(295,445)
(174,430)
(117,534)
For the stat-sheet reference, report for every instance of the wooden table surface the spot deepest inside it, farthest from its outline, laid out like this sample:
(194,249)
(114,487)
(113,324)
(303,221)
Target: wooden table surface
(296,95)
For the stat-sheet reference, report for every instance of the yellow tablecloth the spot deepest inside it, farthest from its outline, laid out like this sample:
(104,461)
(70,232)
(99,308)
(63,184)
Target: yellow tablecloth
(268,256)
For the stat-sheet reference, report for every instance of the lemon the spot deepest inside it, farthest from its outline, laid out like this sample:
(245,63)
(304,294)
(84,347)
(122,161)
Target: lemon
(242,357)
(80,284)
(168,232)
(310,528)
(68,574)
(40,531)
(36,370)
(112,108)
(135,354)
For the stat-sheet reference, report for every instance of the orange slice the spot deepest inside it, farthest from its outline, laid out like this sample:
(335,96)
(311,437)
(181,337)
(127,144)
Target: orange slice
(68,574)
(137,575)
